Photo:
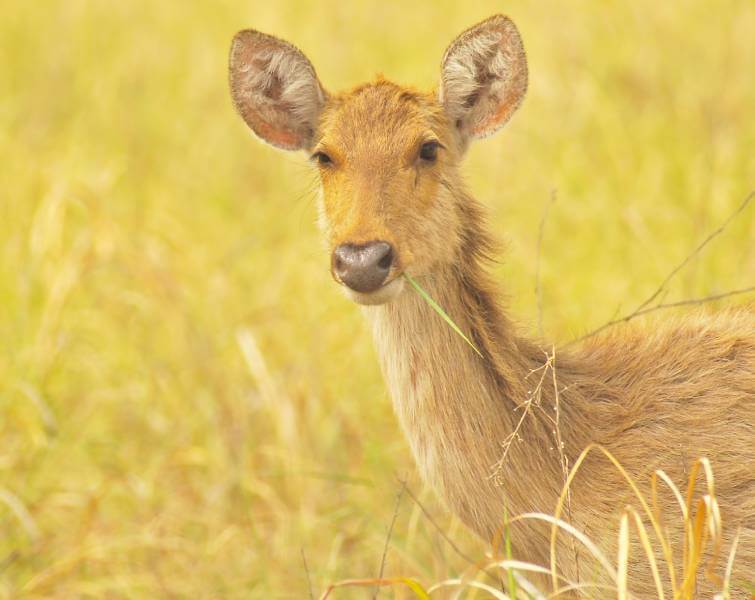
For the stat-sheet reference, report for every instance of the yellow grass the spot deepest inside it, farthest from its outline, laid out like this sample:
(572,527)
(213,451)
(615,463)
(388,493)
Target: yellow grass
(701,522)
(187,402)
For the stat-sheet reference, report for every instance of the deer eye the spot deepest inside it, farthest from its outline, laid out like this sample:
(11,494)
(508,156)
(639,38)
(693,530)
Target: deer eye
(322,159)
(429,151)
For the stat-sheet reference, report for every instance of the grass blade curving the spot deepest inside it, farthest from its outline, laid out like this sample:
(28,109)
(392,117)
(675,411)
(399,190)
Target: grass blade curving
(436,307)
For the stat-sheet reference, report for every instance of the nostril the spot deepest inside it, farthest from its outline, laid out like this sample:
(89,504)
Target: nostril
(337,263)
(385,262)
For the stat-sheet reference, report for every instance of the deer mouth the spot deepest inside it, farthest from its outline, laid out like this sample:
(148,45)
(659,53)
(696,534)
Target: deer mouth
(385,293)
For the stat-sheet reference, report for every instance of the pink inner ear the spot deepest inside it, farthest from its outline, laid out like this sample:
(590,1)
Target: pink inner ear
(278,137)
(504,112)
(271,129)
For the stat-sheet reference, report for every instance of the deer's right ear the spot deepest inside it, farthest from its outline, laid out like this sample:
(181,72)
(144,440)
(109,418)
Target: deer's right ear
(275,89)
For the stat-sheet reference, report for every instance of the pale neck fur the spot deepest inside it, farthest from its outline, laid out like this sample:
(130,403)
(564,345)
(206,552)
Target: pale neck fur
(457,409)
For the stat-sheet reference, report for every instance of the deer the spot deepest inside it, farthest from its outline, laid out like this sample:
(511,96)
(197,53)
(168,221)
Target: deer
(392,204)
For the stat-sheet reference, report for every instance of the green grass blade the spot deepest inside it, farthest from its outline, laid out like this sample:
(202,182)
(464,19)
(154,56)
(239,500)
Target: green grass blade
(434,305)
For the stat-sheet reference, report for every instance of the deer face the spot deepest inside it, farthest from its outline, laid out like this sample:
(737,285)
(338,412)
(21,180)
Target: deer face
(387,156)
(383,153)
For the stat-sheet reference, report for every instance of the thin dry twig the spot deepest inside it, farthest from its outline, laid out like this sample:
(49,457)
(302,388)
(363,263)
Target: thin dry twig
(429,517)
(534,398)
(538,290)
(306,570)
(399,496)
(563,459)
(646,306)
(689,301)
(697,251)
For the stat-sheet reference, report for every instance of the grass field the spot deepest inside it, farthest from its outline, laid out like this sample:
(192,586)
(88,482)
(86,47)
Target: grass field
(187,402)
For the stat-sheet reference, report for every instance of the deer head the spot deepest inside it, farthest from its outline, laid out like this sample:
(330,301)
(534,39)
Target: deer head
(388,156)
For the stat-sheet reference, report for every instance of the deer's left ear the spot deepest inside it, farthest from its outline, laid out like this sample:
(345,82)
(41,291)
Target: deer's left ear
(484,77)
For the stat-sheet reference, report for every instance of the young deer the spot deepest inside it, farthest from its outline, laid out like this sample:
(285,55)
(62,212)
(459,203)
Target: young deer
(393,202)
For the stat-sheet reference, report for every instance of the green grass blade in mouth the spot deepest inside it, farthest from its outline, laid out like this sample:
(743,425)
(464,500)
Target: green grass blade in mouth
(434,305)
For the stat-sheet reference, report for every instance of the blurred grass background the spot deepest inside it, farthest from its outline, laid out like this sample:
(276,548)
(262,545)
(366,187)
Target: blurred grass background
(186,399)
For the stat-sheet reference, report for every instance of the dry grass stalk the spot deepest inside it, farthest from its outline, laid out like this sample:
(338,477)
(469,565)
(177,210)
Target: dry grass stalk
(645,307)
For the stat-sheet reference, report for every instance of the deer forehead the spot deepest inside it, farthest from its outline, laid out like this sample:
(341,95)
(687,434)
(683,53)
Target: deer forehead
(379,120)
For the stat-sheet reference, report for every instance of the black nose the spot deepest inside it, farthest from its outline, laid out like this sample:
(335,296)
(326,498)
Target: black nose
(363,267)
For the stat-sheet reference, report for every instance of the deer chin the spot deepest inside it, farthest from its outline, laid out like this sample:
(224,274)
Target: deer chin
(381,295)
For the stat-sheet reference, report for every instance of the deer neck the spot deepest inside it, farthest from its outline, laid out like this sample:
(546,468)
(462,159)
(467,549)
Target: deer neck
(460,411)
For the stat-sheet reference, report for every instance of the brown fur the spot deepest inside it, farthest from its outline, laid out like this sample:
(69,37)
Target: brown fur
(656,396)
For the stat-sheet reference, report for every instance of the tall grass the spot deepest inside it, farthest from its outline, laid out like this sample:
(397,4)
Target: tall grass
(186,401)
(677,575)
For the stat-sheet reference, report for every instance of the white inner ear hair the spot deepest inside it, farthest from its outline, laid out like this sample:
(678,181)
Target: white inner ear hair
(477,76)
(279,84)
